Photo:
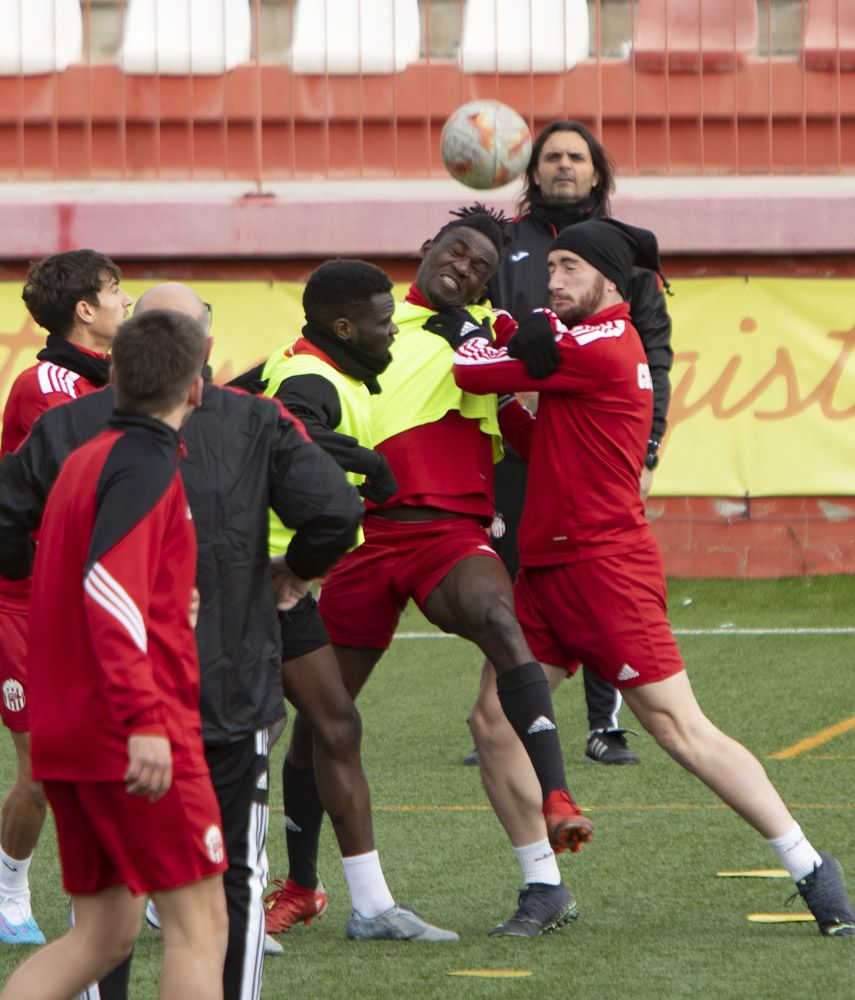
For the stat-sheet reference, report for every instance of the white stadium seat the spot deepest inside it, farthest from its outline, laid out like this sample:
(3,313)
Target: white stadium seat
(523,36)
(185,36)
(39,36)
(355,36)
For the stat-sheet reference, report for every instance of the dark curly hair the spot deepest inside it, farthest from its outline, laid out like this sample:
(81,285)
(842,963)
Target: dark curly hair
(339,285)
(489,221)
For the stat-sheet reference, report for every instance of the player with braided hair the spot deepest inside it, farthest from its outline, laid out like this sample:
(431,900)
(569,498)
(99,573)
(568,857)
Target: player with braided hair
(429,541)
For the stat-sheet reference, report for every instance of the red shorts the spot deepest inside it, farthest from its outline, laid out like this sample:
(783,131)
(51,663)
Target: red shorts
(608,613)
(109,837)
(13,670)
(362,598)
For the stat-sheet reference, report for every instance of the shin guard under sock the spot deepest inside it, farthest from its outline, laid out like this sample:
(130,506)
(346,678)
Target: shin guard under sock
(526,701)
(304,815)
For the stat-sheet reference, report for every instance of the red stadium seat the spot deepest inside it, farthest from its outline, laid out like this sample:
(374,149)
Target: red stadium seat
(687,36)
(830,34)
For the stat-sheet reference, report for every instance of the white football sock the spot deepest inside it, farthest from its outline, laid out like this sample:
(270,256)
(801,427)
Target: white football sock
(796,853)
(15,888)
(14,875)
(369,893)
(538,863)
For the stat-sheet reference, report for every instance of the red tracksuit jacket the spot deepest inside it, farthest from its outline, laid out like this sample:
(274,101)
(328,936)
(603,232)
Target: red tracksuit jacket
(112,652)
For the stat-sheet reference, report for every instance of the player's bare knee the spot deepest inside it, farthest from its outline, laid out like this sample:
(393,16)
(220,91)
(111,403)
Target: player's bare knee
(669,734)
(341,736)
(35,793)
(488,731)
(112,944)
(122,950)
(494,624)
(482,732)
(201,923)
(216,938)
(478,724)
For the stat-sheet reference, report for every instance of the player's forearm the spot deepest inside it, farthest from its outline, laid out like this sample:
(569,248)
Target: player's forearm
(480,368)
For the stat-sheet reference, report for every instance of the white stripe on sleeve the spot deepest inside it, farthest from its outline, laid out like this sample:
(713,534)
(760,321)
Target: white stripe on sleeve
(115,600)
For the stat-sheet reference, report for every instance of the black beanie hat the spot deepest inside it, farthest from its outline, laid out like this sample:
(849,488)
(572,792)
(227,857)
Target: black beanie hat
(612,247)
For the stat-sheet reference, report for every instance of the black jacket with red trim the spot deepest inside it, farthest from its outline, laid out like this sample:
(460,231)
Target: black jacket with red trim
(111,648)
(245,455)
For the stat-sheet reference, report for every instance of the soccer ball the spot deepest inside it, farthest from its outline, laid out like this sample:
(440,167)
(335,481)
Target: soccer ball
(485,144)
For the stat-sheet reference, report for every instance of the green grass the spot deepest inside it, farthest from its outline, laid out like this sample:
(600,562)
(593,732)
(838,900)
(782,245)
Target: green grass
(656,923)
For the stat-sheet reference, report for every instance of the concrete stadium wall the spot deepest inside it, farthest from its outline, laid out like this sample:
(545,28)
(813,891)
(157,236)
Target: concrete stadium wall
(707,226)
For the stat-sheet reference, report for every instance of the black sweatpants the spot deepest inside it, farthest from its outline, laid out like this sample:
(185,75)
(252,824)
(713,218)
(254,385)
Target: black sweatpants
(239,774)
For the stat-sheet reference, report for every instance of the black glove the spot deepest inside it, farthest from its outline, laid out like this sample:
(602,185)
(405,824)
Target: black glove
(250,381)
(457,326)
(534,345)
(381,485)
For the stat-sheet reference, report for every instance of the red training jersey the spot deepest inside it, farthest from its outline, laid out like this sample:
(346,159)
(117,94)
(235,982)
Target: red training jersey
(589,438)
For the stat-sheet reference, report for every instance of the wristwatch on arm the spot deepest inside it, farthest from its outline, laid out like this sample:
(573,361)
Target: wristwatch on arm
(651,459)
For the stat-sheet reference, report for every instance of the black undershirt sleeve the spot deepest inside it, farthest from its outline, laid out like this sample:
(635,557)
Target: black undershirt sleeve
(314,400)
(650,317)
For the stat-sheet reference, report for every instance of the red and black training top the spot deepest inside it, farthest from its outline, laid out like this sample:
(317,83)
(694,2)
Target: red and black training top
(112,651)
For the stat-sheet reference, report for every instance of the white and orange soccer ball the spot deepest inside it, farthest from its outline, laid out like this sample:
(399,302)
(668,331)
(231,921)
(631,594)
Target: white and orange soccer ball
(485,144)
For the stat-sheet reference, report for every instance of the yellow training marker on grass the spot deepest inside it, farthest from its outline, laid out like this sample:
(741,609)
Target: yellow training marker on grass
(756,873)
(491,973)
(817,740)
(780,918)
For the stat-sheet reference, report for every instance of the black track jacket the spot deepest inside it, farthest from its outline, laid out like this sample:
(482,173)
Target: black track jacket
(245,454)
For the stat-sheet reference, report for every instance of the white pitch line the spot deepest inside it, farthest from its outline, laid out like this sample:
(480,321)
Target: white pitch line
(842,630)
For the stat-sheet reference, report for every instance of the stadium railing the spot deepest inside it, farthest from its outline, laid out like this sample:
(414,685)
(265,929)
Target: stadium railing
(266,90)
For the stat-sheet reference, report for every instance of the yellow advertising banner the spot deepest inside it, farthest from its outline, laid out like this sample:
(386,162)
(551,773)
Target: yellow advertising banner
(763,384)
(250,320)
(762,388)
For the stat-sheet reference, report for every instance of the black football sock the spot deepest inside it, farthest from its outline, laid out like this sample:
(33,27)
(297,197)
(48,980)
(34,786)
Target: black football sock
(526,701)
(114,986)
(304,815)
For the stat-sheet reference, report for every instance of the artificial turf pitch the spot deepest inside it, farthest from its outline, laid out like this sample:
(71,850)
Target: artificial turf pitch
(772,663)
